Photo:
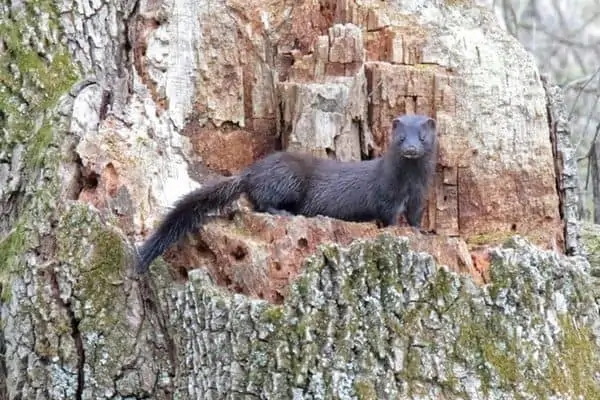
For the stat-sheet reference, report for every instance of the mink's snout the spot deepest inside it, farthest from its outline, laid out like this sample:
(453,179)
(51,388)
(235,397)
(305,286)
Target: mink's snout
(411,151)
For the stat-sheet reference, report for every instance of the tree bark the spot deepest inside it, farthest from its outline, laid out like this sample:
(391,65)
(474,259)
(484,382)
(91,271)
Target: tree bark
(96,102)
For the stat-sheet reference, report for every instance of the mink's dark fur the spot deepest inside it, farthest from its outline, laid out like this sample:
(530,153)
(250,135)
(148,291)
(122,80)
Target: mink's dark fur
(381,189)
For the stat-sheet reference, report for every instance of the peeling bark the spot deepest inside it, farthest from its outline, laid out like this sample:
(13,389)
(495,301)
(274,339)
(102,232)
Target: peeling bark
(565,166)
(96,101)
(376,320)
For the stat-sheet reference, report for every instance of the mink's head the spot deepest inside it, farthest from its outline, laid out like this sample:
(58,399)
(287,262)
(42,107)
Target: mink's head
(413,136)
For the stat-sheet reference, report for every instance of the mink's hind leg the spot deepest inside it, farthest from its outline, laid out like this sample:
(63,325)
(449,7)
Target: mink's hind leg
(277,211)
(269,209)
(390,216)
(278,198)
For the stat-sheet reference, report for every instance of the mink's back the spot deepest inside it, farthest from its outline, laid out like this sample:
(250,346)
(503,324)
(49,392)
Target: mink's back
(314,186)
(343,190)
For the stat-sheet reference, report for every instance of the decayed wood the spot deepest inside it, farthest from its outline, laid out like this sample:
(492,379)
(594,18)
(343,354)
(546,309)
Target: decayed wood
(106,115)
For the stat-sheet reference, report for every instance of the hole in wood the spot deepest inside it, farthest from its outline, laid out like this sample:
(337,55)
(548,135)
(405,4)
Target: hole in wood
(277,298)
(239,253)
(89,179)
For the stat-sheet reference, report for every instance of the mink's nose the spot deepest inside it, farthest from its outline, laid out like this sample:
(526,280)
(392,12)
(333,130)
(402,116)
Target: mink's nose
(410,151)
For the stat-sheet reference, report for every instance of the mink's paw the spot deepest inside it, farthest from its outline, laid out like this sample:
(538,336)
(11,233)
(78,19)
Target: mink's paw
(281,213)
(228,211)
(422,231)
(139,267)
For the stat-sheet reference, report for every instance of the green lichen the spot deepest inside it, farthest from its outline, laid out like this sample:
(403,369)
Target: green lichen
(590,239)
(301,286)
(504,360)
(499,279)
(509,361)
(49,75)
(574,367)
(101,271)
(484,342)
(36,149)
(459,2)
(503,277)
(273,314)
(504,239)
(379,306)
(11,250)
(11,246)
(31,83)
(109,255)
(488,239)
(443,285)
(365,390)
(101,284)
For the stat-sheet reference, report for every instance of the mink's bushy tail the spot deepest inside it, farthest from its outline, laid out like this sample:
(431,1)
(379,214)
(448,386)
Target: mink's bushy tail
(187,214)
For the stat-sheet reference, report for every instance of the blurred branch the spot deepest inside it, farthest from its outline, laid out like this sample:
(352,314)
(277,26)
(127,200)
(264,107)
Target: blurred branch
(586,82)
(587,124)
(584,79)
(589,155)
(567,41)
(509,15)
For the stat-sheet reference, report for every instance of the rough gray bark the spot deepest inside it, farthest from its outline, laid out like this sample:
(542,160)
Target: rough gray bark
(379,321)
(371,321)
(565,161)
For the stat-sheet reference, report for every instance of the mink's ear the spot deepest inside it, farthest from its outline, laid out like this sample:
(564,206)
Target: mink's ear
(429,124)
(396,123)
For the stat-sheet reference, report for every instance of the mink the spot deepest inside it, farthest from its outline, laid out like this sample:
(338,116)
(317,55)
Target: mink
(289,183)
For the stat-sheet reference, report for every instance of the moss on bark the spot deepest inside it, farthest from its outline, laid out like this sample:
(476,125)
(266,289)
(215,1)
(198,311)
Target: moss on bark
(377,320)
(35,71)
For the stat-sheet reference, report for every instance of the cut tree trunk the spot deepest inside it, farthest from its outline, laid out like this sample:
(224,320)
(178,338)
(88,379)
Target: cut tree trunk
(111,110)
